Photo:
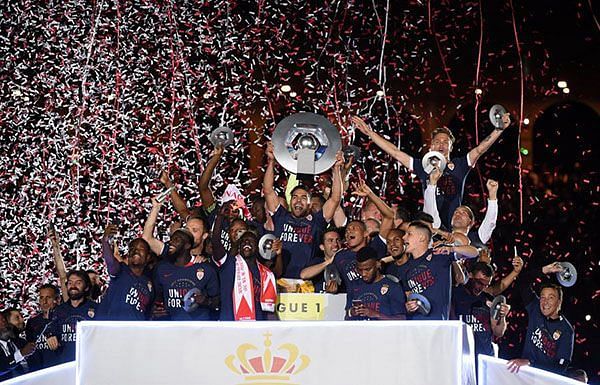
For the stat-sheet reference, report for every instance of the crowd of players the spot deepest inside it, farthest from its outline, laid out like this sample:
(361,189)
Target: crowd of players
(392,264)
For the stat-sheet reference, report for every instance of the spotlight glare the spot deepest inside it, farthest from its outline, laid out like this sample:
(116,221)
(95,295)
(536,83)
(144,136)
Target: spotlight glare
(286,88)
(526,121)
(478,91)
(380,93)
(293,94)
(566,90)
(562,84)
(588,317)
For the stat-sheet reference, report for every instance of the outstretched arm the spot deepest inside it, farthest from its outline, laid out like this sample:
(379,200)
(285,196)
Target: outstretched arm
(59,262)
(271,198)
(361,189)
(485,144)
(505,282)
(385,145)
(178,202)
(113,266)
(206,194)
(335,198)
(155,245)
(430,205)
(491,213)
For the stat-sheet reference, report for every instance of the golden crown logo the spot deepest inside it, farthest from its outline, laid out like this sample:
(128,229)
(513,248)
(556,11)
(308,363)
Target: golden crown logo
(267,368)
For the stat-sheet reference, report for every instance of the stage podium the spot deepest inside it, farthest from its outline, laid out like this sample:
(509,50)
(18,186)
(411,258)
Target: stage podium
(280,353)
(276,353)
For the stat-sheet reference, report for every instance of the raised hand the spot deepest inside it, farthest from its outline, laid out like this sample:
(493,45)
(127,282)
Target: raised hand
(492,187)
(361,125)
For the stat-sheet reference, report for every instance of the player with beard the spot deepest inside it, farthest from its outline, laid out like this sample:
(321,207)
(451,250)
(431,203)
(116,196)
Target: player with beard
(329,245)
(195,224)
(43,357)
(428,272)
(378,297)
(357,237)
(16,325)
(248,290)
(12,359)
(177,274)
(550,337)
(62,332)
(299,229)
(130,293)
(471,305)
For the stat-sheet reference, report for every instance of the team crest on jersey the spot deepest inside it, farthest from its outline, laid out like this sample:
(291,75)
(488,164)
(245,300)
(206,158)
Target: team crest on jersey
(450,166)
(429,257)
(556,335)
(200,274)
(384,289)
(149,286)
(91,312)
(309,217)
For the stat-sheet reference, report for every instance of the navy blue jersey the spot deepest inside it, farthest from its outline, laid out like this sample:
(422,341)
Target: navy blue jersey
(173,282)
(211,216)
(345,261)
(128,298)
(300,238)
(227,278)
(474,311)
(450,186)
(548,342)
(64,326)
(430,275)
(259,227)
(396,270)
(385,297)
(42,357)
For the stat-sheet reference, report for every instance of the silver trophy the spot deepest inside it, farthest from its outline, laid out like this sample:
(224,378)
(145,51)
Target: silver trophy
(496,114)
(432,160)
(331,273)
(265,246)
(496,306)
(568,276)
(221,136)
(306,143)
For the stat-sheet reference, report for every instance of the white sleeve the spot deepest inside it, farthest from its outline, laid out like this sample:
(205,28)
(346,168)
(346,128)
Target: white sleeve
(430,205)
(411,163)
(489,222)
(18,356)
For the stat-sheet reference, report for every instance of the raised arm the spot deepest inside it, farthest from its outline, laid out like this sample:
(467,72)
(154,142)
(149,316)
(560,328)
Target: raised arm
(361,189)
(206,193)
(335,198)
(491,214)
(219,251)
(59,262)
(113,266)
(485,144)
(499,325)
(271,198)
(178,202)
(384,144)
(430,205)
(505,282)
(155,245)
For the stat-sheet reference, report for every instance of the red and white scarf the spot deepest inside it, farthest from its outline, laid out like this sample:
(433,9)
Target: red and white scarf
(243,290)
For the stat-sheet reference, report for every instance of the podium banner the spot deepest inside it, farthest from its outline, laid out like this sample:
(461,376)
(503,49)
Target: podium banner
(493,371)
(253,353)
(311,307)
